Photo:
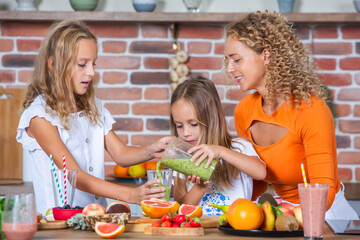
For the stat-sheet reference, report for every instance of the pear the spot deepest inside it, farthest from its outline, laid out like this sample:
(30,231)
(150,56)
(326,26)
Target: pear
(269,217)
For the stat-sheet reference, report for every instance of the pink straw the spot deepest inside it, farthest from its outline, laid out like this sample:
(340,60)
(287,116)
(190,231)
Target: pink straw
(64,169)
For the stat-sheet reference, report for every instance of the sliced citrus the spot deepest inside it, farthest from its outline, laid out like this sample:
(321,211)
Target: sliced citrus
(190,210)
(155,209)
(174,204)
(109,230)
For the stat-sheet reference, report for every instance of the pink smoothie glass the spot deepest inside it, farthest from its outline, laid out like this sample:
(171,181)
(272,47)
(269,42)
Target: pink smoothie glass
(313,200)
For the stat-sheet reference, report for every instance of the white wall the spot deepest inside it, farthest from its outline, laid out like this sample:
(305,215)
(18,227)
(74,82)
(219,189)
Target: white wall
(207,5)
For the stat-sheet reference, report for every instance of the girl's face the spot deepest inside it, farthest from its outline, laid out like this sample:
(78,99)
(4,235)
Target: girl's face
(187,126)
(84,69)
(245,65)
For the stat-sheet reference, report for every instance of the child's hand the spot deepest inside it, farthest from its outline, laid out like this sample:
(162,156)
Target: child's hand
(145,192)
(157,148)
(205,151)
(196,180)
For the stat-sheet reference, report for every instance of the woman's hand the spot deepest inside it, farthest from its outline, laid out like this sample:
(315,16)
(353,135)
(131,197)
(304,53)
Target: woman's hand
(196,180)
(205,151)
(157,148)
(145,192)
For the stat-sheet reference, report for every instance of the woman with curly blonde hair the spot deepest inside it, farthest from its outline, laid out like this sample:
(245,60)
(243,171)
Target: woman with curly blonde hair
(62,116)
(286,119)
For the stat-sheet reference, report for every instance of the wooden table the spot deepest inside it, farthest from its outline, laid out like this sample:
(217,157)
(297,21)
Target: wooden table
(210,233)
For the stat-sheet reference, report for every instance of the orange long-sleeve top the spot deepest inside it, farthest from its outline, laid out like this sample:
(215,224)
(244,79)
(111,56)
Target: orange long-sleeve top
(310,140)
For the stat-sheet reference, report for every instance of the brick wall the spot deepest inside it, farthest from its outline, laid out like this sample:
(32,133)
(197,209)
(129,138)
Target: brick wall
(134,74)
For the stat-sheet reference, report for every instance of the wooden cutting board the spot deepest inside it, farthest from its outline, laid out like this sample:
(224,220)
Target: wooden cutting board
(52,225)
(174,231)
(10,150)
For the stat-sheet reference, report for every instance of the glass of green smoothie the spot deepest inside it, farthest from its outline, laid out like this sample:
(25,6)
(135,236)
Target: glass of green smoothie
(165,175)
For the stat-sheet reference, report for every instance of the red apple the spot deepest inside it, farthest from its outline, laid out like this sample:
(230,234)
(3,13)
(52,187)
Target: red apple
(298,215)
(287,205)
(93,209)
(286,210)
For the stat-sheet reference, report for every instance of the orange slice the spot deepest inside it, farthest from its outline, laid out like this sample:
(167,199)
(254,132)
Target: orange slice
(190,210)
(109,230)
(155,208)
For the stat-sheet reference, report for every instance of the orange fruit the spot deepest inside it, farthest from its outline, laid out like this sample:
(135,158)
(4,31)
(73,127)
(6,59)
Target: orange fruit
(150,165)
(190,210)
(155,208)
(109,230)
(245,215)
(120,171)
(174,204)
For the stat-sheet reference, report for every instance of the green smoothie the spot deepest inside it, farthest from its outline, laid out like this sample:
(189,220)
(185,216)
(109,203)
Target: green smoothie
(167,191)
(185,166)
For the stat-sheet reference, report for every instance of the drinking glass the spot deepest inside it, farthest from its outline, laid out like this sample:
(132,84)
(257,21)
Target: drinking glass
(60,186)
(166,181)
(192,5)
(19,217)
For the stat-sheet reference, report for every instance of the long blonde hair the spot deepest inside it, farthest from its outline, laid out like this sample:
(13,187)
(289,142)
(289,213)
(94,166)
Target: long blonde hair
(291,70)
(202,95)
(61,46)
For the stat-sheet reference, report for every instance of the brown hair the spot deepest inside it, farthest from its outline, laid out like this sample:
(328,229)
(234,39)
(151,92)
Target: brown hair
(61,45)
(201,93)
(291,69)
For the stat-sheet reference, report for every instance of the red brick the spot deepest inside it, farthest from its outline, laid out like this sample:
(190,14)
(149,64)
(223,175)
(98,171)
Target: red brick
(7,76)
(349,126)
(155,93)
(114,46)
(357,111)
(25,75)
(128,124)
(211,63)
(201,31)
(15,29)
(236,94)
(154,31)
(331,94)
(6,45)
(158,124)
(345,174)
(156,63)
(229,109)
(351,94)
(114,77)
(325,32)
(302,31)
(143,140)
(349,158)
(350,63)
(357,142)
(17,60)
(119,93)
(357,173)
(351,32)
(332,48)
(221,92)
(342,110)
(199,47)
(117,108)
(357,47)
(343,142)
(115,30)
(357,78)
(219,48)
(151,109)
(325,63)
(231,125)
(337,79)
(28,45)
(150,78)
(151,47)
(125,62)
(221,78)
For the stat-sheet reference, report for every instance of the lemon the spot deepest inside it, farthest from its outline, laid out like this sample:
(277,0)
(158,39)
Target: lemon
(137,171)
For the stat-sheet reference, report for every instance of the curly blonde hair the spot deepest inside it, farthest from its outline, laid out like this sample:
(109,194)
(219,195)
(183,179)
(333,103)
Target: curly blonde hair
(61,45)
(291,70)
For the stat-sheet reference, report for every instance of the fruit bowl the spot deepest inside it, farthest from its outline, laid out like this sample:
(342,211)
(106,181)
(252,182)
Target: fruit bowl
(65,214)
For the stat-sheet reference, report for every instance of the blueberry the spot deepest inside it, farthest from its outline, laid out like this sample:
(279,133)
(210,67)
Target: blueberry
(77,207)
(67,206)
(58,207)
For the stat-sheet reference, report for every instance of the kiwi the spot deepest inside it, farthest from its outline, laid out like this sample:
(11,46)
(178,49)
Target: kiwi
(286,222)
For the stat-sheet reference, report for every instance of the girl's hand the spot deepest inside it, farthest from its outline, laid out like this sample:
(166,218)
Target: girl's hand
(145,192)
(205,151)
(157,148)
(196,180)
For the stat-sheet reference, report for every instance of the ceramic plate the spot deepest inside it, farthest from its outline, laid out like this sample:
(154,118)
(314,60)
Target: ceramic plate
(261,233)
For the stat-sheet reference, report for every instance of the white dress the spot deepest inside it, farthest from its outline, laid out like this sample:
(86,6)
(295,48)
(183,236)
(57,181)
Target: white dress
(242,187)
(84,140)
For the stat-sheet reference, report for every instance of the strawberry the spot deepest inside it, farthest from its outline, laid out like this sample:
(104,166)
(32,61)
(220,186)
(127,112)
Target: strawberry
(180,219)
(195,222)
(166,217)
(185,225)
(38,219)
(175,225)
(166,224)
(156,224)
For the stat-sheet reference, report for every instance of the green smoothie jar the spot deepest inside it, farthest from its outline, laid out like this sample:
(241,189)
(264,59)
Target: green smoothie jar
(165,176)
(177,158)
